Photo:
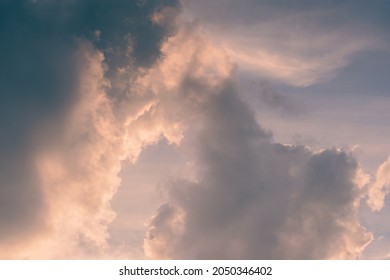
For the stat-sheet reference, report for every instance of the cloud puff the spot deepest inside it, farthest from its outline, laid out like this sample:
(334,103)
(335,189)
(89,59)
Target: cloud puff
(251,198)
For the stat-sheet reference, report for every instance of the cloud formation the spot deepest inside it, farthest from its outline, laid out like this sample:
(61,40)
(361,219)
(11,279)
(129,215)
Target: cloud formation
(88,84)
(251,198)
(297,43)
(63,140)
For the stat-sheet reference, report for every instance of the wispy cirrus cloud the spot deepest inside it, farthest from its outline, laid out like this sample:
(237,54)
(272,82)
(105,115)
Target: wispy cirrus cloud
(300,44)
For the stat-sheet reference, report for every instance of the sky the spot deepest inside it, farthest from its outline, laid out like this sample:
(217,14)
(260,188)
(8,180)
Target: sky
(183,129)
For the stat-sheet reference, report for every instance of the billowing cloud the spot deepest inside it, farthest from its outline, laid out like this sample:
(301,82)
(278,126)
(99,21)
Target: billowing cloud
(64,134)
(251,198)
(88,84)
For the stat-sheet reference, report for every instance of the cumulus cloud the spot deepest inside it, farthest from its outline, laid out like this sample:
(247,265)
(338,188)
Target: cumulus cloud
(88,84)
(79,174)
(75,174)
(64,134)
(251,197)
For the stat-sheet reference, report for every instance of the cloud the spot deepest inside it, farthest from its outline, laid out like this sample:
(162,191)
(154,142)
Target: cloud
(64,131)
(88,84)
(79,175)
(294,43)
(251,198)
(35,94)
(264,98)
(75,173)
(380,187)
(172,85)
